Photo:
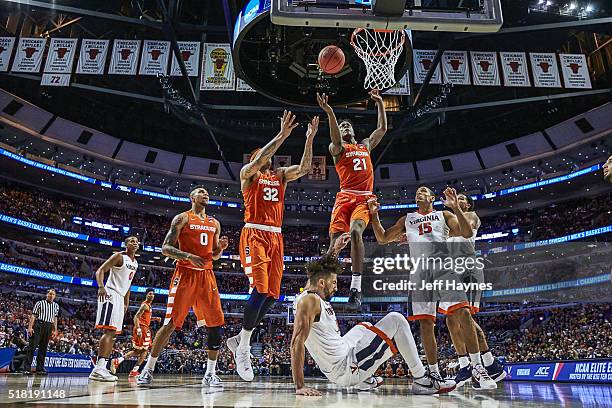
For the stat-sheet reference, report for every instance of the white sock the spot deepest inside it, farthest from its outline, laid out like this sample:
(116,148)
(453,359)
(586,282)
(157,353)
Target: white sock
(356,282)
(475,359)
(101,363)
(151,363)
(433,368)
(464,361)
(245,338)
(211,367)
(487,359)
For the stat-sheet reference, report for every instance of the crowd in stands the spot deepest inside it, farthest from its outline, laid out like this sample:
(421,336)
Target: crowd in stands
(306,240)
(578,331)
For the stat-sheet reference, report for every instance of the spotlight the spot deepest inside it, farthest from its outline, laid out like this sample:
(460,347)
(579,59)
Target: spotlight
(549,3)
(572,6)
(589,8)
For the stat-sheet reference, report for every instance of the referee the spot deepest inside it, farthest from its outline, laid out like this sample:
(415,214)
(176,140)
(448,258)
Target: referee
(43,323)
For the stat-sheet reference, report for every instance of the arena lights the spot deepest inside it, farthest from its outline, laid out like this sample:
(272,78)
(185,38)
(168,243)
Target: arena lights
(231,204)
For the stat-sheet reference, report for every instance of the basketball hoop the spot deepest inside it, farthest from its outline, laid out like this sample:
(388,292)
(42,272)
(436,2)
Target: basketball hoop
(380,51)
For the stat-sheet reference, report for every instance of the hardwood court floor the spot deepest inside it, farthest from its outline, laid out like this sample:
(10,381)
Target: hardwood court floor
(181,391)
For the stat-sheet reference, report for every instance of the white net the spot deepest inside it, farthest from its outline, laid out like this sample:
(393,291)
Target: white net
(379,50)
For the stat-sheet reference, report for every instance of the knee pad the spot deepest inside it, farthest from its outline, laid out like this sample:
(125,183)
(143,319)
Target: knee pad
(213,341)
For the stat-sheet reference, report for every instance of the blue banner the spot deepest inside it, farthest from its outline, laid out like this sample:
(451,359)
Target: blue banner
(54,362)
(584,371)
(35,273)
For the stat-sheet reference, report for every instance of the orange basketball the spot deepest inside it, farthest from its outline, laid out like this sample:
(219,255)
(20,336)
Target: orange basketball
(331,59)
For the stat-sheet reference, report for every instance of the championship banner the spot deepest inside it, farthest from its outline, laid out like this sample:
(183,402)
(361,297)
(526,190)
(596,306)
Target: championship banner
(281,161)
(60,57)
(545,70)
(318,171)
(154,58)
(455,68)
(242,86)
(125,57)
(485,70)
(575,71)
(401,87)
(55,79)
(29,55)
(190,54)
(6,49)
(516,72)
(422,61)
(92,57)
(217,68)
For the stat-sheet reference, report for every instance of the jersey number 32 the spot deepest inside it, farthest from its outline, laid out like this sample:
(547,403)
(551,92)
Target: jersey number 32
(270,194)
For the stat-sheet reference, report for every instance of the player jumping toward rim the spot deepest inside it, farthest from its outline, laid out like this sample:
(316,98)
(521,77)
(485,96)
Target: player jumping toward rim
(354,166)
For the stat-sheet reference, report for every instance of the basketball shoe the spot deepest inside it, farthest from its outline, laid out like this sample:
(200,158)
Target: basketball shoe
(481,379)
(242,356)
(432,383)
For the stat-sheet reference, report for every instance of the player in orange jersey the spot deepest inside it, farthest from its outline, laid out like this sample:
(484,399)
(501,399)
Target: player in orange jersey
(354,166)
(141,335)
(261,240)
(194,240)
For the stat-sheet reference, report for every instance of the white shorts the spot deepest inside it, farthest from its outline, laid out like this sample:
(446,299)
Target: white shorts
(369,347)
(110,312)
(426,304)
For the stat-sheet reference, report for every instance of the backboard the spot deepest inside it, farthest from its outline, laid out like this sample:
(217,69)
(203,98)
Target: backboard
(420,15)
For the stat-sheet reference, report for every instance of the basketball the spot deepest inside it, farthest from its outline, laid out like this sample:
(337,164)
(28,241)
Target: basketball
(331,59)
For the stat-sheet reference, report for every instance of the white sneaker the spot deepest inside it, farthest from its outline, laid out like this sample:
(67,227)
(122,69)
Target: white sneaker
(432,383)
(243,363)
(145,378)
(212,380)
(370,384)
(232,343)
(102,374)
(481,379)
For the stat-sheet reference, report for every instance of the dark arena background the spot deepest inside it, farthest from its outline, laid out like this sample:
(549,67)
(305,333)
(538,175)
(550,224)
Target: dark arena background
(117,115)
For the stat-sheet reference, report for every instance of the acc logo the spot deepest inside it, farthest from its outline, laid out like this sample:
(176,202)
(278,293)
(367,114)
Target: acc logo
(542,372)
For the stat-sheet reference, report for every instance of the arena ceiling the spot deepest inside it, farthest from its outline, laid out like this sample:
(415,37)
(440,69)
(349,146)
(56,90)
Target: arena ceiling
(241,121)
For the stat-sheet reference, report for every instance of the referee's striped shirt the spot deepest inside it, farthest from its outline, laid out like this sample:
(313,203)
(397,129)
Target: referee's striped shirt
(45,311)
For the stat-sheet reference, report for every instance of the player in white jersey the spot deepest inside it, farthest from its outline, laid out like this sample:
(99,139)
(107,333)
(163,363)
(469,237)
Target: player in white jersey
(352,359)
(427,231)
(466,248)
(113,300)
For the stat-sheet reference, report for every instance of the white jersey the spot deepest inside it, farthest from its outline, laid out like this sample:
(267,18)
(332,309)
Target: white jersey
(426,233)
(324,343)
(120,278)
(460,246)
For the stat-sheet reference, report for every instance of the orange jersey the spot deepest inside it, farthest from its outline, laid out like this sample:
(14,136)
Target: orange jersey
(264,201)
(197,238)
(145,318)
(355,170)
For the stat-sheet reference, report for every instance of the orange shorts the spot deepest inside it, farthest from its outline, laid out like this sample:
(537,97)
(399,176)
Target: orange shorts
(143,342)
(261,256)
(349,207)
(197,289)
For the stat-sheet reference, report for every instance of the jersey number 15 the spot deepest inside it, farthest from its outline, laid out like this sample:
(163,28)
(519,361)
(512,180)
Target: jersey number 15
(425,228)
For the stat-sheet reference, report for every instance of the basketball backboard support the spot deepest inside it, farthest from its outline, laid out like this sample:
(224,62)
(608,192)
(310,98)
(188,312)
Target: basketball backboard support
(421,15)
